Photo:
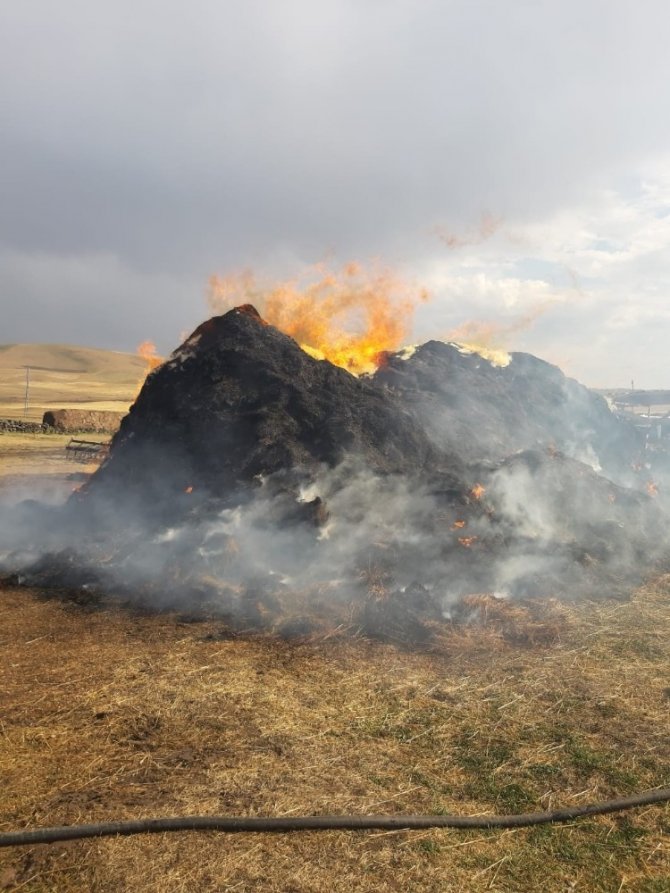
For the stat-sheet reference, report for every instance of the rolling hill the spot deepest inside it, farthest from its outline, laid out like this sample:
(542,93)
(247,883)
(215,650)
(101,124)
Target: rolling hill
(66,376)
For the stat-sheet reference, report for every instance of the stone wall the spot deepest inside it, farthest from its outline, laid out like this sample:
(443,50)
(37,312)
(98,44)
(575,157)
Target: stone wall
(20,427)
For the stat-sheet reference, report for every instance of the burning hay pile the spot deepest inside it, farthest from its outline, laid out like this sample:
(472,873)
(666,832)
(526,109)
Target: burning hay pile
(257,482)
(487,409)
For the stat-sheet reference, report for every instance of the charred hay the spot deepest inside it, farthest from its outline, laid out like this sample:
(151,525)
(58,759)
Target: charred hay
(240,400)
(254,483)
(485,412)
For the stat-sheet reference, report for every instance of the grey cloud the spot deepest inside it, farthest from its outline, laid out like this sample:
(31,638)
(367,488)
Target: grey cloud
(96,300)
(188,138)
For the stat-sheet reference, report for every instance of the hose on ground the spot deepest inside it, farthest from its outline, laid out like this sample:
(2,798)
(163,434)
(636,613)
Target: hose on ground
(237,824)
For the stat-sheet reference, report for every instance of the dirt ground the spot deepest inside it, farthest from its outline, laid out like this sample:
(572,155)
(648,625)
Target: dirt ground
(36,466)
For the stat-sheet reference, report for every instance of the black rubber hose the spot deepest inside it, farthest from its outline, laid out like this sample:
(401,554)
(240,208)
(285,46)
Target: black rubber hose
(236,824)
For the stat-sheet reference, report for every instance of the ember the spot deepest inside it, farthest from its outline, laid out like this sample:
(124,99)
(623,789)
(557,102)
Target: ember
(467,541)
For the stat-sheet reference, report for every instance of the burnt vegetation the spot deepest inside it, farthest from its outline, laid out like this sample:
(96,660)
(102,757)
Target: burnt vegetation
(255,483)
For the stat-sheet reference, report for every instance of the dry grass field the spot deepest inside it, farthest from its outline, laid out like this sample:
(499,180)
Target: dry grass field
(107,715)
(61,377)
(64,377)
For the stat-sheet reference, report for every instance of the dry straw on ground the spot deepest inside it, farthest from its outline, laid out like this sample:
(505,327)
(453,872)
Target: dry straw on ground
(107,715)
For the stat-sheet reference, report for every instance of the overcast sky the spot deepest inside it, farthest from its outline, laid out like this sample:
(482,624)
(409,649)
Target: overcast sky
(148,145)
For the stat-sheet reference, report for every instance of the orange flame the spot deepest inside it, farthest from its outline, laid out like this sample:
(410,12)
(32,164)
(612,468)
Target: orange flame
(350,317)
(486,338)
(467,541)
(188,490)
(457,525)
(147,350)
(478,491)
(652,489)
(477,336)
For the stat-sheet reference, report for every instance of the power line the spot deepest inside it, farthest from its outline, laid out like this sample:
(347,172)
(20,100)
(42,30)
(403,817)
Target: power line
(26,399)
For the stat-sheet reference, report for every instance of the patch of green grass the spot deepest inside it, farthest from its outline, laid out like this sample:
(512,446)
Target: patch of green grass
(587,761)
(654,885)
(378,780)
(398,722)
(542,771)
(555,843)
(475,755)
(492,767)
(505,797)
(626,833)
(588,849)
(639,647)
(428,846)
(419,778)
(606,709)
(584,759)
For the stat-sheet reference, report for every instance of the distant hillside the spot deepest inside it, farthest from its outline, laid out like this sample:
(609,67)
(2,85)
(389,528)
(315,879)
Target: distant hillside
(66,376)
(110,364)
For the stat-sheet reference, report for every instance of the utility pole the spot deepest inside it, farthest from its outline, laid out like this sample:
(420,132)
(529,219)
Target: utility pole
(26,399)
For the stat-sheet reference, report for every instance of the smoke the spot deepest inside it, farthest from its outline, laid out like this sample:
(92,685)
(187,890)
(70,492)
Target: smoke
(485,229)
(346,545)
(50,490)
(253,483)
(492,340)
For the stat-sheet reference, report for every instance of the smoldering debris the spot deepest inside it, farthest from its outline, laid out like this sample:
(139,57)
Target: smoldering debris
(253,482)
(487,409)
